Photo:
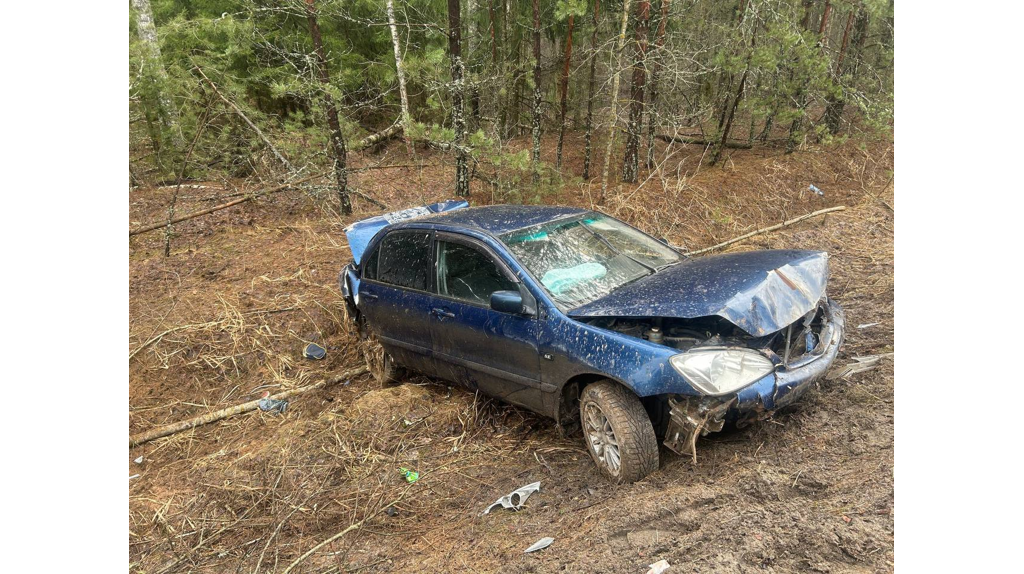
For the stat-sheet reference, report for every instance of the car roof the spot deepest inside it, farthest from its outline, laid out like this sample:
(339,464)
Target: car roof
(499,219)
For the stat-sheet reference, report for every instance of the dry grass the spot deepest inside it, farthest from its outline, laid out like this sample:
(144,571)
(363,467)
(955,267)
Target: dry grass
(227,315)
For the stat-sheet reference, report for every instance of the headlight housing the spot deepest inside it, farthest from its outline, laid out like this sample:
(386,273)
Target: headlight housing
(720,371)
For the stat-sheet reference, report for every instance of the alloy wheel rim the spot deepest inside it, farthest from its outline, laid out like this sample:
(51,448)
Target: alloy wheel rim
(601,437)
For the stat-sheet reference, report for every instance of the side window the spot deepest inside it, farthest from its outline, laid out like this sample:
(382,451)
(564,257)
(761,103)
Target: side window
(469,274)
(404,260)
(370,265)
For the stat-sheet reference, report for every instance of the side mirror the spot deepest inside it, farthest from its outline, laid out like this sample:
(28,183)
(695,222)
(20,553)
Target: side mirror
(507,302)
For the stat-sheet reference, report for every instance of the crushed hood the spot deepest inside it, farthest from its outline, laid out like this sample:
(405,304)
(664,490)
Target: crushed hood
(361,232)
(760,292)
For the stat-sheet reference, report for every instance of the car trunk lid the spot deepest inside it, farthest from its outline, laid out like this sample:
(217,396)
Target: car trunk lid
(361,232)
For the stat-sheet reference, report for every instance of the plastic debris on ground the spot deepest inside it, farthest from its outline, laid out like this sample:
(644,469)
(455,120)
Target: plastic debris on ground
(138,460)
(859,365)
(540,545)
(816,190)
(866,325)
(410,476)
(515,499)
(314,351)
(391,511)
(658,567)
(268,404)
(134,476)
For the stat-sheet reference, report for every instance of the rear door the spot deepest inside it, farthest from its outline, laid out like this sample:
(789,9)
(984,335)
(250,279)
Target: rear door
(395,298)
(494,352)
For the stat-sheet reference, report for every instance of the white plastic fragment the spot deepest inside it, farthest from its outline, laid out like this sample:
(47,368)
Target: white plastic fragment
(138,460)
(866,325)
(540,544)
(859,365)
(514,499)
(658,567)
(134,476)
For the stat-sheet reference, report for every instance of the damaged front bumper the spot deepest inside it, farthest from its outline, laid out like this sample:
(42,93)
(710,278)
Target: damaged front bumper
(692,416)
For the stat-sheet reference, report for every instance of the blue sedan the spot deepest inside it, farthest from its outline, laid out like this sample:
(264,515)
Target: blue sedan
(578,316)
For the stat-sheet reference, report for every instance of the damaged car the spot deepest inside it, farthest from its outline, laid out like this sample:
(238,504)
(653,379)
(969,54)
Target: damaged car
(578,316)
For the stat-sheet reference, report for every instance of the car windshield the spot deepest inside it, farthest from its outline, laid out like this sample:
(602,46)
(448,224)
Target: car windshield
(583,259)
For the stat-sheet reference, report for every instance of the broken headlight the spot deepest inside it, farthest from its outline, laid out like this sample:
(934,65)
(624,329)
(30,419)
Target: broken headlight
(721,371)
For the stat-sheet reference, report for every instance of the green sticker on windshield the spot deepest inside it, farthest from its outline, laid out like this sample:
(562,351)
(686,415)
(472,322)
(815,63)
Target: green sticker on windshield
(535,236)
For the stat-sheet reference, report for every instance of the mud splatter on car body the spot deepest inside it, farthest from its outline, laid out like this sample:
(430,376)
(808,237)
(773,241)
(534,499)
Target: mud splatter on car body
(531,304)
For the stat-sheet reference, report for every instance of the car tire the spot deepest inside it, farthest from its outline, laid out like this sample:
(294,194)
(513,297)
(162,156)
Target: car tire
(618,432)
(379,362)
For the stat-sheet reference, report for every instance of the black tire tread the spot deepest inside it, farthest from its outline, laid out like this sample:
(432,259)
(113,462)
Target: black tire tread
(638,445)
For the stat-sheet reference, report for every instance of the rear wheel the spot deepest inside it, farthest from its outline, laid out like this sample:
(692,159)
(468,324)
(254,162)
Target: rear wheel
(379,362)
(618,431)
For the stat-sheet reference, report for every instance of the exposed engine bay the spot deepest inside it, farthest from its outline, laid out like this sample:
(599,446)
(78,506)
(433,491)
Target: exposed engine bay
(680,419)
(782,347)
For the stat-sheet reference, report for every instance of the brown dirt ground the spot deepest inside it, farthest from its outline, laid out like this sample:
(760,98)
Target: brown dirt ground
(244,289)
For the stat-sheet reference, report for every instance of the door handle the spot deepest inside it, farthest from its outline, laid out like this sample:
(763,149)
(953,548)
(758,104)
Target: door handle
(441,313)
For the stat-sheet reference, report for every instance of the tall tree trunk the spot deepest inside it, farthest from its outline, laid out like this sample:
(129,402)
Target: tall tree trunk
(613,114)
(164,108)
(474,36)
(822,38)
(400,69)
(631,160)
(458,98)
(337,139)
(720,144)
(590,90)
(494,45)
(564,88)
(536,90)
(834,109)
(652,101)
(795,130)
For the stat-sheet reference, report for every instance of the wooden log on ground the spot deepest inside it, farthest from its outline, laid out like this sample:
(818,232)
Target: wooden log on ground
(768,229)
(281,187)
(215,416)
(394,130)
(701,141)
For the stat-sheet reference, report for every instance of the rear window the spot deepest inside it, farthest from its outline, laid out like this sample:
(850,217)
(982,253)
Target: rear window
(404,259)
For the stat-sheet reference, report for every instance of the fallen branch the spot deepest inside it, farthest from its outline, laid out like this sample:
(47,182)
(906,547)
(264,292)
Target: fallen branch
(281,187)
(701,141)
(156,338)
(242,115)
(768,229)
(376,202)
(349,528)
(395,129)
(215,416)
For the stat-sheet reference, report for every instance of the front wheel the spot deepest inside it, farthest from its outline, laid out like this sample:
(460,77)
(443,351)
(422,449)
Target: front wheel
(619,434)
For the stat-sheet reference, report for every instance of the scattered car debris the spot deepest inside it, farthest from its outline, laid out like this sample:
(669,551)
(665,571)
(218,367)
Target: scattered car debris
(314,351)
(134,476)
(658,567)
(540,544)
(410,475)
(811,187)
(391,511)
(515,499)
(268,404)
(866,325)
(138,460)
(859,365)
